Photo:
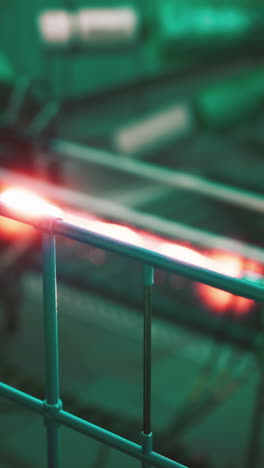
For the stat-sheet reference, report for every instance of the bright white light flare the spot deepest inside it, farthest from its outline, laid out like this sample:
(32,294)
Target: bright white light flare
(185,254)
(28,204)
(115,231)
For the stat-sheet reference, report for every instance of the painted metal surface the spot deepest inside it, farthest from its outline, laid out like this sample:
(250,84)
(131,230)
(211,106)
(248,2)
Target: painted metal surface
(51,408)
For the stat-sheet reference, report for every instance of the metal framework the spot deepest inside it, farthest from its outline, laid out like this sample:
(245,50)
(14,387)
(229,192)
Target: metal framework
(51,408)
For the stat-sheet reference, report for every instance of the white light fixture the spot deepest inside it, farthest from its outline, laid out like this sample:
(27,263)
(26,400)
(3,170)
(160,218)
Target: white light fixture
(154,130)
(56,26)
(95,25)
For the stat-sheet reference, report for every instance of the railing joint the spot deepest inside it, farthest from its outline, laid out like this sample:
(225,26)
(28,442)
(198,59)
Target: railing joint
(147,443)
(51,411)
(47,224)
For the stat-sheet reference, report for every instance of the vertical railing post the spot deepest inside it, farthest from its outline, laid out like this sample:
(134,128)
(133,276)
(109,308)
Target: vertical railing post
(52,403)
(147,434)
(257,425)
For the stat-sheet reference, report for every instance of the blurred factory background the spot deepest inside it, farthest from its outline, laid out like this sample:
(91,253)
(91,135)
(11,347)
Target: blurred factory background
(143,120)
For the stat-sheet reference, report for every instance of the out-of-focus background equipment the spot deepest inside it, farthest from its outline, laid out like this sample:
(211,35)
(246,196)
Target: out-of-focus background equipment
(143,120)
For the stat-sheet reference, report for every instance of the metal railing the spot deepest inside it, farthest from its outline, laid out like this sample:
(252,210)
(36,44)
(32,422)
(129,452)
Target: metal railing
(51,408)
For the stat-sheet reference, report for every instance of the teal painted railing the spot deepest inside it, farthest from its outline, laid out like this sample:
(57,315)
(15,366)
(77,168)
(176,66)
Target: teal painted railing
(51,408)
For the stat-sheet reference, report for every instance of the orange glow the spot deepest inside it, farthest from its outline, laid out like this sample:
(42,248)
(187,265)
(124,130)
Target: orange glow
(221,301)
(10,229)
(27,204)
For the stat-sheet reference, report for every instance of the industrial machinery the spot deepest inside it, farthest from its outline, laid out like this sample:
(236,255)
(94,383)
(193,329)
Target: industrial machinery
(143,122)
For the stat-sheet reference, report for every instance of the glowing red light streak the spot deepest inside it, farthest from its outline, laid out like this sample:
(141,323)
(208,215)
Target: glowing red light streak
(29,205)
(223,302)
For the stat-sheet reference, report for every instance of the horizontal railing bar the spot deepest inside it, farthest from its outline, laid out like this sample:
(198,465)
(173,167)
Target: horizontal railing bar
(173,178)
(239,287)
(89,429)
(24,399)
(115,441)
(120,213)
(235,286)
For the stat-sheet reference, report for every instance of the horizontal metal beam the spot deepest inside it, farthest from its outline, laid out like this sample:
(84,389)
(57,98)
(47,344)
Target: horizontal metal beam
(30,402)
(183,180)
(236,286)
(116,442)
(57,226)
(89,429)
(120,213)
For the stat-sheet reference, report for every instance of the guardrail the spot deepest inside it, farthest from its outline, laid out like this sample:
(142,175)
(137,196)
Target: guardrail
(51,408)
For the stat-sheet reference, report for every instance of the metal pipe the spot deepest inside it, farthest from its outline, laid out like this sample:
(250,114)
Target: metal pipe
(147,360)
(17,99)
(147,433)
(114,441)
(52,404)
(121,213)
(254,451)
(43,119)
(50,319)
(148,282)
(183,180)
(256,429)
(239,287)
(235,286)
(32,403)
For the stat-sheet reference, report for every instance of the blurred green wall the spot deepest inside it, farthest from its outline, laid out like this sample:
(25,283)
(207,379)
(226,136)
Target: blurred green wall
(77,74)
